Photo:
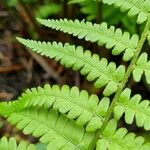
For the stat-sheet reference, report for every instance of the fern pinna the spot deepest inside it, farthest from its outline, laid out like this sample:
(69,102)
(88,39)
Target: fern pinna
(67,118)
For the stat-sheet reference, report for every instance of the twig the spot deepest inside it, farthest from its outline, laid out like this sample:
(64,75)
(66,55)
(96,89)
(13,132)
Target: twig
(5,95)
(11,68)
(45,66)
(4,13)
(29,70)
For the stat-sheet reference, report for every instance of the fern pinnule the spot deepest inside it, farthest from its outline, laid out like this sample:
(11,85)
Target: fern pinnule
(92,66)
(142,66)
(112,38)
(133,108)
(11,144)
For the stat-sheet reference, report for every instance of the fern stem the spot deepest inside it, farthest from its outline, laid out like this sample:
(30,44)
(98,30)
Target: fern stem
(123,83)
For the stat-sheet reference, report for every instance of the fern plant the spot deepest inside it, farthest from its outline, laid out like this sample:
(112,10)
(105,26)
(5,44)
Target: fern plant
(67,118)
(96,10)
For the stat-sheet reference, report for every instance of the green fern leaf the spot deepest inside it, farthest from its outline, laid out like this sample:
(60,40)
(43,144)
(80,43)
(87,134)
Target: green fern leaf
(53,129)
(140,8)
(119,139)
(96,69)
(142,66)
(112,38)
(11,144)
(133,108)
(85,109)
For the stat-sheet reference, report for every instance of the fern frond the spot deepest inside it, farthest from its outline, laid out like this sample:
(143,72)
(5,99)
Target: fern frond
(96,69)
(112,38)
(53,129)
(139,8)
(11,144)
(133,108)
(86,110)
(142,66)
(119,139)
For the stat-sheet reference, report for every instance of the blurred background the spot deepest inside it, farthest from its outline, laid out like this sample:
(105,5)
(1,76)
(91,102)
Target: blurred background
(21,69)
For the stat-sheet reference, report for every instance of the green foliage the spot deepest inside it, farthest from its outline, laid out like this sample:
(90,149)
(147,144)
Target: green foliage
(148,38)
(47,10)
(68,101)
(139,8)
(119,139)
(108,13)
(88,8)
(66,118)
(77,1)
(91,65)
(55,130)
(112,38)
(11,3)
(40,146)
(11,144)
(142,66)
(133,108)
(38,118)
